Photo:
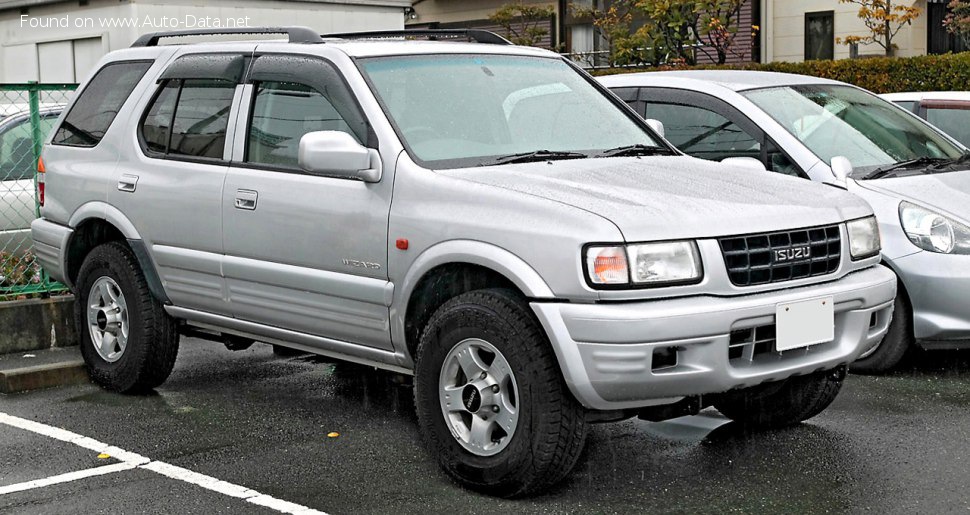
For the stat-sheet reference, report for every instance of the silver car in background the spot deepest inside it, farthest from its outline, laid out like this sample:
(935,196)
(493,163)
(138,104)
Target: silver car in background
(915,177)
(17,168)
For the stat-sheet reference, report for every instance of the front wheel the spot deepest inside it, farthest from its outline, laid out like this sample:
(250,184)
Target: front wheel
(128,341)
(889,353)
(492,405)
(783,403)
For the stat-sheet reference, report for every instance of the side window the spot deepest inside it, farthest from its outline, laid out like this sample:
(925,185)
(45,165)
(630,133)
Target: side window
(955,122)
(16,149)
(189,118)
(292,96)
(282,113)
(99,103)
(909,105)
(703,133)
(629,95)
(778,162)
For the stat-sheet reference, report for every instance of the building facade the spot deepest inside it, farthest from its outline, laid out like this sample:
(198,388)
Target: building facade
(808,29)
(565,32)
(59,42)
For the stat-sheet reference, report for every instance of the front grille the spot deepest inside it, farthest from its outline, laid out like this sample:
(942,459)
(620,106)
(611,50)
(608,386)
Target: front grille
(782,256)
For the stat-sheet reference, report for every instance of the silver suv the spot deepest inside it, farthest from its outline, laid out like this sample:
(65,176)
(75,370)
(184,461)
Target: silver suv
(483,216)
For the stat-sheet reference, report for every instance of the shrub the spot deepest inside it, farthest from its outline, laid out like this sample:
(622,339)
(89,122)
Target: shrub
(946,72)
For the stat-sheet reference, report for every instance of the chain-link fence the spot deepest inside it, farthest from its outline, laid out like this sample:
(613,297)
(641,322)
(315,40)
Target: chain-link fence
(27,113)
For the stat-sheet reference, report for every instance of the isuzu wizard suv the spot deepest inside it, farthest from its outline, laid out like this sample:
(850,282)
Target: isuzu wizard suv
(483,216)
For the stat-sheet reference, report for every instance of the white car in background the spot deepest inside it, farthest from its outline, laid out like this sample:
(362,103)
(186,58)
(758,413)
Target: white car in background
(916,178)
(17,169)
(949,111)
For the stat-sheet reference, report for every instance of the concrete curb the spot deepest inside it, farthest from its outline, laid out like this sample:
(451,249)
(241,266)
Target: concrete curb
(23,372)
(37,324)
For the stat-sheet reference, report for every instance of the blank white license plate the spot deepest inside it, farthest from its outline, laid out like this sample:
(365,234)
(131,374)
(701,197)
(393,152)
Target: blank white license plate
(804,323)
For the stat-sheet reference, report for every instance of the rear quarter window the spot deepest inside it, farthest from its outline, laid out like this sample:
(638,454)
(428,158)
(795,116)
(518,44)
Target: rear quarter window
(99,103)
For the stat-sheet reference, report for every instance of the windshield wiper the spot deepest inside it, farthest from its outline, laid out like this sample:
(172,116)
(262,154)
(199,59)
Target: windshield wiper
(950,163)
(635,150)
(911,163)
(535,155)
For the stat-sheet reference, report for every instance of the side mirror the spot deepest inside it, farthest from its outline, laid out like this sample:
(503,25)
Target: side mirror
(657,126)
(337,154)
(749,163)
(841,168)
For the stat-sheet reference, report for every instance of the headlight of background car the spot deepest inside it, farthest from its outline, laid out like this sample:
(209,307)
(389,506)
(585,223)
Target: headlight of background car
(932,231)
(863,237)
(644,264)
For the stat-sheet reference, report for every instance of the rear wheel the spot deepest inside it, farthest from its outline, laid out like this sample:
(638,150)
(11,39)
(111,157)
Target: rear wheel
(889,353)
(128,342)
(783,403)
(492,405)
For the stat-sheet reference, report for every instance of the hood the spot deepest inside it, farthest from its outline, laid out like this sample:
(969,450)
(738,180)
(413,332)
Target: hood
(948,192)
(660,198)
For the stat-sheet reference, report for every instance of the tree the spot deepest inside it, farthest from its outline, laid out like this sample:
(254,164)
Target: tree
(957,21)
(524,24)
(670,30)
(615,26)
(884,19)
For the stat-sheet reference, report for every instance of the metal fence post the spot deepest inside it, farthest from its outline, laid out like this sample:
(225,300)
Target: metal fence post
(33,96)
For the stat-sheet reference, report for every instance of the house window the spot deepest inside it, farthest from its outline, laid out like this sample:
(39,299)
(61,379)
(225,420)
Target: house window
(938,40)
(820,35)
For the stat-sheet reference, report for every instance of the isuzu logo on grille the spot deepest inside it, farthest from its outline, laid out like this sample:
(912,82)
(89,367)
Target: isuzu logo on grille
(791,254)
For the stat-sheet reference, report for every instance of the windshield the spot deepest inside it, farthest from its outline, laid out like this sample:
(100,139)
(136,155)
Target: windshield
(845,121)
(466,110)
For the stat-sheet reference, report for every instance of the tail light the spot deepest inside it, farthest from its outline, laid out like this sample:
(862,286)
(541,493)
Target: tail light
(41,173)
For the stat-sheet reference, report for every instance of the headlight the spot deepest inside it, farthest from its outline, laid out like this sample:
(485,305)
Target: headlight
(644,264)
(863,237)
(932,231)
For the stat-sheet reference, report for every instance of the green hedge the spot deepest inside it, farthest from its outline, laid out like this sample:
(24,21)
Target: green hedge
(947,72)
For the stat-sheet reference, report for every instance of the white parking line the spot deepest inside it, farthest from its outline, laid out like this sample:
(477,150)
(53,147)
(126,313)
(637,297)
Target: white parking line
(130,460)
(66,478)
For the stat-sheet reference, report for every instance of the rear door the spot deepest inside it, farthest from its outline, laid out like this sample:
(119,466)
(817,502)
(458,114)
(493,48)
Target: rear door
(171,188)
(304,252)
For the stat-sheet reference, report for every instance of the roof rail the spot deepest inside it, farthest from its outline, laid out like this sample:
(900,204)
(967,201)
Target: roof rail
(476,35)
(296,34)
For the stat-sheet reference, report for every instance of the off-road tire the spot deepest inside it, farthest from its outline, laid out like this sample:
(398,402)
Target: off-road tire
(897,342)
(552,427)
(783,403)
(153,338)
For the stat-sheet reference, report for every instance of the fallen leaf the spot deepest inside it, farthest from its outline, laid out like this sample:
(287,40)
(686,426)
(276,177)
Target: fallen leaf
(333,434)
(103,456)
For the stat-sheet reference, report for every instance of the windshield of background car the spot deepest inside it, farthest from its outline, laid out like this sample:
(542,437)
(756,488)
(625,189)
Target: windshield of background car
(845,121)
(465,110)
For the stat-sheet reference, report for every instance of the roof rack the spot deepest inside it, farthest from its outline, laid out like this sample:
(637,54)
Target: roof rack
(296,34)
(476,35)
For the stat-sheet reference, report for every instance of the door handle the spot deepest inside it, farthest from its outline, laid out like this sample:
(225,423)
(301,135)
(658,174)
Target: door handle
(246,199)
(127,183)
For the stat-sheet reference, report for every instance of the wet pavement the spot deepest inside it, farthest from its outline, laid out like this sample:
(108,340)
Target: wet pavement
(894,444)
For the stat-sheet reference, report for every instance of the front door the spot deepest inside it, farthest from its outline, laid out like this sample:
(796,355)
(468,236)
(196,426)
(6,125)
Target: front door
(304,252)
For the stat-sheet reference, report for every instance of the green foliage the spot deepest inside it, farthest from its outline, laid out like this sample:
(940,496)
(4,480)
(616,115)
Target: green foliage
(524,24)
(18,270)
(669,31)
(958,20)
(947,72)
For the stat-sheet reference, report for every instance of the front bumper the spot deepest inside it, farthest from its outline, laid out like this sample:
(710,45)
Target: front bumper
(939,290)
(606,350)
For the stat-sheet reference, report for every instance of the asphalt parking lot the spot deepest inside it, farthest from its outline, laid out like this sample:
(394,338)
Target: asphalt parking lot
(259,425)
